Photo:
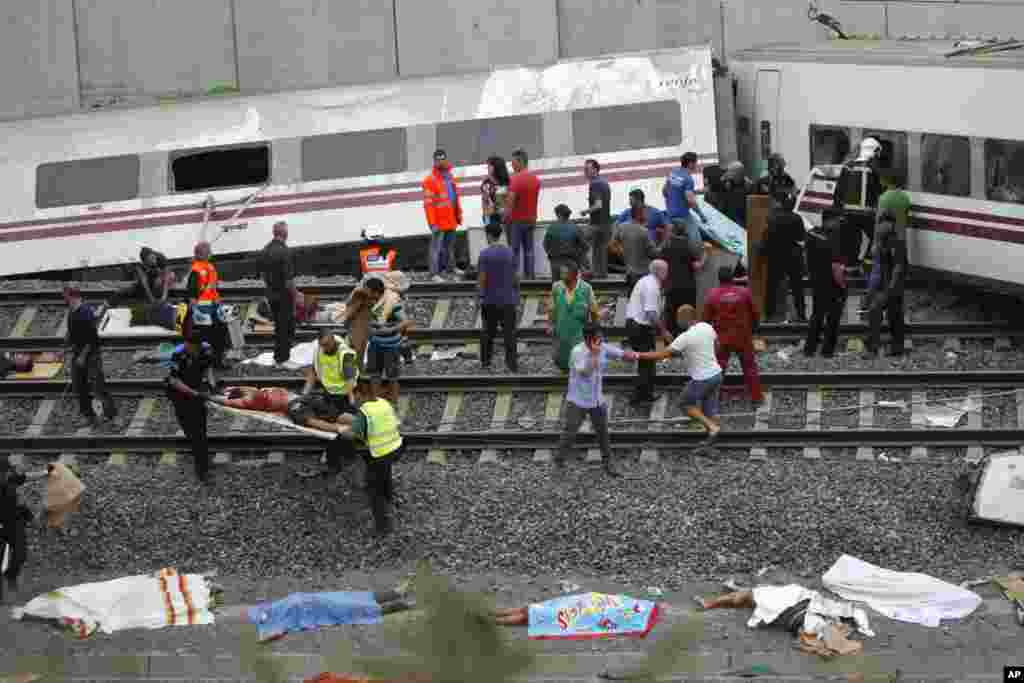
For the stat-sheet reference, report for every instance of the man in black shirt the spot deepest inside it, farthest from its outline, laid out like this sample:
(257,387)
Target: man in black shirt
(189,384)
(777,183)
(783,249)
(151,280)
(892,265)
(13,518)
(279,276)
(84,341)
(599,210)
(682,255)
(828,278)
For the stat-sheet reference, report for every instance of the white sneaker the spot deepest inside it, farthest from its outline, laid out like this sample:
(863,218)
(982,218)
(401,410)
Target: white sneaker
(437,278)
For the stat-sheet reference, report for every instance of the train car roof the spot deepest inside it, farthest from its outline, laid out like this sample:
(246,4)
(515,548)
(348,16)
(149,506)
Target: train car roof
(903,52)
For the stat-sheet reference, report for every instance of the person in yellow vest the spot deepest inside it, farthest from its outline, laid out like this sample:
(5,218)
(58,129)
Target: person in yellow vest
(375,256)
(205,304)
(376,425)
(330,383)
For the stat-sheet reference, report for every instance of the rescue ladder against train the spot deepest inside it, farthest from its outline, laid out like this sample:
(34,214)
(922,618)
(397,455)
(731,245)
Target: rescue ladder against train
(943,124)
(86,191)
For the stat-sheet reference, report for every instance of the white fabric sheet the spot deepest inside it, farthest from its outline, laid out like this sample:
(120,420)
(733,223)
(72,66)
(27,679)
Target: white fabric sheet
(904,596)
(301,357)
(771,601)
(117,322)
(276,419)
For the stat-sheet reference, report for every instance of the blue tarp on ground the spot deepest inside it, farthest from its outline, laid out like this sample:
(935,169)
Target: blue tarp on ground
(309,611)
(723,231)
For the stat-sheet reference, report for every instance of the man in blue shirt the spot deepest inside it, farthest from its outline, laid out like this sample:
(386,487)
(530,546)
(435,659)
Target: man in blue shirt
(680,193)
(655,218)
(499,298)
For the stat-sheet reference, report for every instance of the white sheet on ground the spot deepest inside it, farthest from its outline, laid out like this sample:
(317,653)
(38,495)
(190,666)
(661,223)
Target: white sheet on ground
(154,601)
(301,357)
(275,419)
(904,596)
(771,601)
(117,322)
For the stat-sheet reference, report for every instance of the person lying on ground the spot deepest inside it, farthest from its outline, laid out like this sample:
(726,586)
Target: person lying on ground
(272,400)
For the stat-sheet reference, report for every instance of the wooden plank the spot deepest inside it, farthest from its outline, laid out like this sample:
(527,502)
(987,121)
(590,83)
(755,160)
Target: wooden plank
(531,310)
(141,417)
(169,458)
(437,322)
(867,409)
(764,412)
(918,405)
(40,418)
(813,410)
(118,459)
(502,408)
(657,415)
(977,403)
(452,406)
(24,321)
(852,312)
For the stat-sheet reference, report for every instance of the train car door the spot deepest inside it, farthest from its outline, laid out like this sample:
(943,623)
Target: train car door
(767,92)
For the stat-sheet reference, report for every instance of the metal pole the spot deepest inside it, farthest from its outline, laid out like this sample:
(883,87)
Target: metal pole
(78,54)
(234,40)
(394,22)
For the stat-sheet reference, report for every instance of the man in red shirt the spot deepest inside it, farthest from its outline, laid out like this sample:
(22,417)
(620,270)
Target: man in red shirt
(520,213)
(731,311)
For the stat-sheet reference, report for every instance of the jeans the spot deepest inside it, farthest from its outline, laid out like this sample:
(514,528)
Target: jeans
(80,383)
(283,309)
(704,394)
(441,244)
(380,485)
(191,414)
(748,361)
(574,420)
(520,238)
(641,339)
(494,315)
(600,236)
(893,307)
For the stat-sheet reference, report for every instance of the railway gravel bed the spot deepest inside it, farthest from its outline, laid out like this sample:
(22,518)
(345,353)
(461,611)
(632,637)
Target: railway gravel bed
(476,412)
(420,310)
(425,411)
(527,410)
(688,519)
(737,410)
(46,321)
(893,417)
(841,408)
(999,412)
(788,409)
(18,413)
(65,418)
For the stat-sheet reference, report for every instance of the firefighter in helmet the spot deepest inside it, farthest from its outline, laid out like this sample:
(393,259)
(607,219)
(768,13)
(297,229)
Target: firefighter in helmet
(376,256)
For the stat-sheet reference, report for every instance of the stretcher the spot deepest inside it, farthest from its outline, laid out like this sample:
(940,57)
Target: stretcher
(117,322)
(279,419)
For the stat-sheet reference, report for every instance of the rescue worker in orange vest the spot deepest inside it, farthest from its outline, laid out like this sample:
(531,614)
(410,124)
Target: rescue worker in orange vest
(204,301)
(444,214)
(375,256)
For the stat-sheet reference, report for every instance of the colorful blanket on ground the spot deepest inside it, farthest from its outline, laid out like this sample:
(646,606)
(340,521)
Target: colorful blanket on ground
(166,598)
(591,615)
(310,611)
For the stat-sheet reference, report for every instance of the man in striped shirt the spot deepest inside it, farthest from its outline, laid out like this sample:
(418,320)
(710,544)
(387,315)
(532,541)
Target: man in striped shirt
(387,325)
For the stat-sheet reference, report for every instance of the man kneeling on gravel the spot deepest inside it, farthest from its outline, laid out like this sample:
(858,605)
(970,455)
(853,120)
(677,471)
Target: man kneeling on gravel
(697,343)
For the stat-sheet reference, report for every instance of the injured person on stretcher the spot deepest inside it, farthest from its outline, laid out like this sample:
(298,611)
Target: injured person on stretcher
(272,400)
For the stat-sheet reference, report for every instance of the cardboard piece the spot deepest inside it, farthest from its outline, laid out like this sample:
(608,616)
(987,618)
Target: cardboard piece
(63,495)
(758,208)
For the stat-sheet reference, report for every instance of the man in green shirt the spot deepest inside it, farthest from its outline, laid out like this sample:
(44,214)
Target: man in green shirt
(897,200)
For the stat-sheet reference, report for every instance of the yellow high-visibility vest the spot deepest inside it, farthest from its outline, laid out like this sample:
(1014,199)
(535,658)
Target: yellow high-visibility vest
(329,369)
(382,434)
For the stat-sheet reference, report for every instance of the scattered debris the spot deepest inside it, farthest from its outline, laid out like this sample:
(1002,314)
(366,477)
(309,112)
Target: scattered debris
(655,591)
(447,354)
(902,405)
(834,642)
(567,587)
(855,345)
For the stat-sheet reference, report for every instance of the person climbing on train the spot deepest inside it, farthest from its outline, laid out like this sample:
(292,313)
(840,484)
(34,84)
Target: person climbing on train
(827,272)
(86,357)
(151,280)
(206,311)
(680,191)
(376,256)
(778,184)
(856,195)
(376,424)
(891,259)
(731,311)
(189,384)
(784,253)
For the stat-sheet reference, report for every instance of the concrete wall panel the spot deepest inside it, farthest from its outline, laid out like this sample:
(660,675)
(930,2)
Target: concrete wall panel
(294,44)
(991,20)
(154,47)
(473,35)
(595,27)
(37,58)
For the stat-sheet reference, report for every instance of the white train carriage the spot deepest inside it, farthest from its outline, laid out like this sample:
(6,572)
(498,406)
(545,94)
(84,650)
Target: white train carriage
(85,191)
(947,126)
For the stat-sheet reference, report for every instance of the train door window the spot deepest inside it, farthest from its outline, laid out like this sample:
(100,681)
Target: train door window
(350,155)
(946,164)
(627,127)
(470,143)
(892,157)
(220,168)
(1004,171)
(829,145)
(88,181)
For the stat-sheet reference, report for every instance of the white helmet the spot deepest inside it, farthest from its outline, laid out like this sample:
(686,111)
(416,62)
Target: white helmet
(869,148)
(373,232)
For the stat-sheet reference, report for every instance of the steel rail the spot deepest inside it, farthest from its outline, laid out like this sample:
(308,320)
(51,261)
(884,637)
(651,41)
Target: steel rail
(505,439)
(471,335)
(547,383)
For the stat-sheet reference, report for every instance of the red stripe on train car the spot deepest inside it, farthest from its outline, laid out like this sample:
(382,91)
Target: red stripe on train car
(984,232)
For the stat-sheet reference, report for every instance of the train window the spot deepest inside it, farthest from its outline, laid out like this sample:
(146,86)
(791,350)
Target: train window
(89,181)
(829,145)
(946,164)
(213,169)
(469,143)
(1004,171)
(626,127)
(348,155)
(892,157)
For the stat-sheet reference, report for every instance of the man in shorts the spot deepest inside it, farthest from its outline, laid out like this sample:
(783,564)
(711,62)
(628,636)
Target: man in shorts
(697,345)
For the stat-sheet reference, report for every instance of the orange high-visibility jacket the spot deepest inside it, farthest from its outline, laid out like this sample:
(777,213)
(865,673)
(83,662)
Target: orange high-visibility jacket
(374,261)
(206,275)
(438,206)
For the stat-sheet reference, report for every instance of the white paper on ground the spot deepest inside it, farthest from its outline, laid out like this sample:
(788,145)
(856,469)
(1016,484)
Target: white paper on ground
(904,596)
(447,354)
(902,405)
(301,357)
(5,557)
(947,416)
(772,601)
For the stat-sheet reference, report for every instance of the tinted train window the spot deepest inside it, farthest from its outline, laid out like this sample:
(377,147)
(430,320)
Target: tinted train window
(829,145)
(89,181)
(348,155)
(1004,171)
(946,165)
(469,143)
(892,157)
(631,126)
(212,169)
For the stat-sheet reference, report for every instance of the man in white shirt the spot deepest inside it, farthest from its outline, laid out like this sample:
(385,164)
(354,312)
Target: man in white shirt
(697,344)
(643,322)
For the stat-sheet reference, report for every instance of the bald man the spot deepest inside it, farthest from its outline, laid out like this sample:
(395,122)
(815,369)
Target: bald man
(644,323)
(279,276)
(204,300)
